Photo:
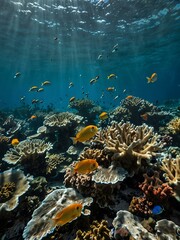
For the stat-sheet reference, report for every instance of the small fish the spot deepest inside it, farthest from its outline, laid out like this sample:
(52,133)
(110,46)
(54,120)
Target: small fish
(115,48)
(35,101)
(40,90)
(103,116)
(129,97)
(102,95)
(116,97)
(157,210)
(18,74)
(152,79)
(33,117)
(110,89)
(71,84)
(112,75)
(124,90)
(99,57)
(22,98)
(33,88)
(46,83)
(97,77)
(15,142)
(85,166)
(72,99)
(92,81)
(68,214)
(55,38)
(144,116)
(85,134)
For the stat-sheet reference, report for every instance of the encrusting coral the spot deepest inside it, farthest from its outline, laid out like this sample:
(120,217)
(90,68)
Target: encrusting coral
(171,167)
(41,224)
(130,144)
(13,184)
(98,231)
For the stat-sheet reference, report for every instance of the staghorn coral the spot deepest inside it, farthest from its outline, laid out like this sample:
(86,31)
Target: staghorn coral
(62,120)
(174,125)
(171,167)
(26,150)
(13,184)
(130,144)
(40,225)
(98,231)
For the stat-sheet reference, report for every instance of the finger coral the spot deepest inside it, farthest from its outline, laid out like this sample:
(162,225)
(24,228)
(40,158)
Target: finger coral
(98,231)
(41,223)
(130,144)
(13,184)
(171,167)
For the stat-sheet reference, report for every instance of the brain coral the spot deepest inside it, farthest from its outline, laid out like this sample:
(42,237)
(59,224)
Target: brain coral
(13,184)
(129,144)
(40,225)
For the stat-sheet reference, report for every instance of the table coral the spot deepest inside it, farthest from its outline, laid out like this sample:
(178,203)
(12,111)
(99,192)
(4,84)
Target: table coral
(13,184)
(62,120)
(98,231)
(131,145)
(171,167)
(41,225)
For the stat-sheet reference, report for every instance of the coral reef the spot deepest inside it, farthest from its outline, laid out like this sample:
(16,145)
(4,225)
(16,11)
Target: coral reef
(131,145)
(140,206)
(171,167)
(62,120)
(13,184)
(167,230)
(98,231)
(40,225)
(53,161)
(12,125)
(174,125)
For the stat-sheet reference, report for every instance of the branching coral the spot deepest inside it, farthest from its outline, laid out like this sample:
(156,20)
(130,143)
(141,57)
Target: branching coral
(26,150)
(13,184)
(171,167)
(98,231)
(130,144)
(174,125)
(53,161)
(40,224)
(62,120)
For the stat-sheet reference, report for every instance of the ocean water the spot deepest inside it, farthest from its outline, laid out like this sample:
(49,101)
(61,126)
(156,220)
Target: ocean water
(61,40)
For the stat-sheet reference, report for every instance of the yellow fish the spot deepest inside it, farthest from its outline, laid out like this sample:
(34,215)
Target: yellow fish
(152,79)
(46,83)
(15,141)
(85,166)
(33,88)
(40,90)
(85,134)
(112,75)
(93,81)
(129,97)
(103,116)
(110,89)
(72,99)
(68,214)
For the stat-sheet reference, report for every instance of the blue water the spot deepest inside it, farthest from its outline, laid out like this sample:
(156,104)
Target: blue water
(60,41)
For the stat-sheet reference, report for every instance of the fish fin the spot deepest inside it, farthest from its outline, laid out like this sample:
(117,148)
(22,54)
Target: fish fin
(74,140)
(55,222)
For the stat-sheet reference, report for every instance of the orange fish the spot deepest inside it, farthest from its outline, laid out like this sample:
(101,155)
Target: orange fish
(33,117)
(15,141)
(85,134)
(152,79)
(86,166)
(129,97)
(111,89)
(72,99)
(103,116)
(144,116)
(68,214)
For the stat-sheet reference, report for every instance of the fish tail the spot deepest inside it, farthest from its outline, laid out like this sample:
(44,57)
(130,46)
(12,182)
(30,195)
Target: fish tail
(149,79)
(74,140)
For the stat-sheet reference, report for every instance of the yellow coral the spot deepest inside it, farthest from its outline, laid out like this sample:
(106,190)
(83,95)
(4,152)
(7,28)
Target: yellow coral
(7,191)
(98,231)
(174,125)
